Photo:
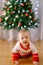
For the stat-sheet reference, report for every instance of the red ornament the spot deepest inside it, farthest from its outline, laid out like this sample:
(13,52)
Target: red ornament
(34,19)
(19,24)
(22,4)
(0,20)
(30,10)
(26,14)
(12,12)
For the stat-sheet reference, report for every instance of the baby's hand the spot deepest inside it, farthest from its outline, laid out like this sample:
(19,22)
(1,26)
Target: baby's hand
(17,62)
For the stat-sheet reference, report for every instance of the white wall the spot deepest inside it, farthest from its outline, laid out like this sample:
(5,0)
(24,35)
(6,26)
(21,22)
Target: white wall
(41,19)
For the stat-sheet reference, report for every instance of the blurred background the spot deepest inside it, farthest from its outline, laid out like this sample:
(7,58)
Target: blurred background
(35,34)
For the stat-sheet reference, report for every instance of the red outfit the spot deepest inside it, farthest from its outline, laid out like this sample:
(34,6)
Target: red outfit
(19,50)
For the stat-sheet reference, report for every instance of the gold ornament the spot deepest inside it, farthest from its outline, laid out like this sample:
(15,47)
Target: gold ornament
(6,7)
(16,16)
(30,16)
(21,14)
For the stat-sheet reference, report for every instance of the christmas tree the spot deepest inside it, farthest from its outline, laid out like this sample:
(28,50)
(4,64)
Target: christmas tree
(18,14)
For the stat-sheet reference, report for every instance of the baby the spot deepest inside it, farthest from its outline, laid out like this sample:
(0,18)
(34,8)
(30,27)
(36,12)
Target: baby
(24,47)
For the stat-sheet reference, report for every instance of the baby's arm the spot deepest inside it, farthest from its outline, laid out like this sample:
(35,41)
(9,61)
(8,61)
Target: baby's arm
(15,58)
(35,55)
(15,54)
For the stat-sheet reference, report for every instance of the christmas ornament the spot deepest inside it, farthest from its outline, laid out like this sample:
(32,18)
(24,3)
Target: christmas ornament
(30,16)
(6,18)
(23,10)
(21,14)
(30,10)
(18,11)
(6,7)
(26,14)
(16,16)
(34,19)
(12,12)
(0,20)
(3,12)
(22,4)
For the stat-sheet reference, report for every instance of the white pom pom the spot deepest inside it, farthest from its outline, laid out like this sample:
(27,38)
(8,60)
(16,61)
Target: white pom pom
(6,18)
(5,23)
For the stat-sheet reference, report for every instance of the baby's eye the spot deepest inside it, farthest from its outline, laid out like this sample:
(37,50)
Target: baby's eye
(26,37)
(22,38)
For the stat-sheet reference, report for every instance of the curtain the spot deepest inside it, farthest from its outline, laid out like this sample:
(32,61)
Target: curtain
(35,34)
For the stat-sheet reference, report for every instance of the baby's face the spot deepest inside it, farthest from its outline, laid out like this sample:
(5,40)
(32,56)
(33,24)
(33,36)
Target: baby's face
(24,38)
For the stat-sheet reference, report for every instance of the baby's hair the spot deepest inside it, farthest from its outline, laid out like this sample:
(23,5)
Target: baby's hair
(23,31)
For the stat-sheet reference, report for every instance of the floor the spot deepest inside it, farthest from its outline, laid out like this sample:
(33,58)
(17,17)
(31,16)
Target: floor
(5,53)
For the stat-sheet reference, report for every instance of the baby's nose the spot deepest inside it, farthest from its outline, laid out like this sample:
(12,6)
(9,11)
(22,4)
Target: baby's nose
(24,38)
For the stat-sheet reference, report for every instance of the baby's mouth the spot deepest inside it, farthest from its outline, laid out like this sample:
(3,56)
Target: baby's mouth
(25,42)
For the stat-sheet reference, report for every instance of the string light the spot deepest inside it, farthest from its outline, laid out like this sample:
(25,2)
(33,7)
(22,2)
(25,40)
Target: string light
(36,9)
(36,12)
(37,1)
